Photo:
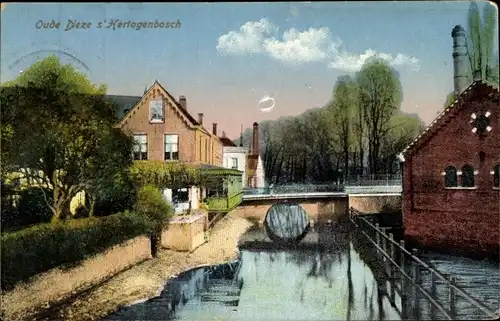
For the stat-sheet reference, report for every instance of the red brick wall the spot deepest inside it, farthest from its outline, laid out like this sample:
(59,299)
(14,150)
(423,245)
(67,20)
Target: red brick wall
(138,123)
(463,218)
(195,145)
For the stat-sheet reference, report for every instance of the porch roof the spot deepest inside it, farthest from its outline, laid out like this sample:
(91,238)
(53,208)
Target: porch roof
(218,170)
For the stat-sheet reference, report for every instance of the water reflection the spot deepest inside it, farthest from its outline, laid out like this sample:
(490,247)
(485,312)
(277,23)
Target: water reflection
(286,222)
(331,274)
(214,286)
(273,284)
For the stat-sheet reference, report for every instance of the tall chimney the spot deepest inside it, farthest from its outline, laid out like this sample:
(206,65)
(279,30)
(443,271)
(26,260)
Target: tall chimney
(460,60)
(183,102)
(200,118)
(241,137)
(255,141)
(214,129)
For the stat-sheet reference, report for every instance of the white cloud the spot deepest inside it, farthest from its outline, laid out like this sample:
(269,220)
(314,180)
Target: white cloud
(249,39)
(353,62)
(297,47)
(300,47)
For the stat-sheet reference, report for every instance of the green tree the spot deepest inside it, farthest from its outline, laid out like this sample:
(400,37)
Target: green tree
(63,131)
(480,41)
(481,34)
(343,107)
(380,96)
(404,128)
(450,98)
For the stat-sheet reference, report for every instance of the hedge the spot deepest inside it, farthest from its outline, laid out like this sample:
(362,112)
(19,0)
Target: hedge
(42,247)
(32,208)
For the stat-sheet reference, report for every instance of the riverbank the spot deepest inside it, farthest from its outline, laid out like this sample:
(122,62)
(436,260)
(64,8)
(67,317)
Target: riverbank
(147,279)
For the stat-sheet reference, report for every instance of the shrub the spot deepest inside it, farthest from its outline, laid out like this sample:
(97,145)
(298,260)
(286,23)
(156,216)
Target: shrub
(151,205)
(42,247)
(118,197)
(32,209)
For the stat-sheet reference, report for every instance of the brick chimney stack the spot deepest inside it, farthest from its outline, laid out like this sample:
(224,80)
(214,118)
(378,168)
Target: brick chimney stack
(183,102)
(214,129)
(241,137)
(255,141)
(200,118)
(460,60)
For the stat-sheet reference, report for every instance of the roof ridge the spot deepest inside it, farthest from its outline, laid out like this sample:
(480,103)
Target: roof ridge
(449,111)
(182,110)
(178,105)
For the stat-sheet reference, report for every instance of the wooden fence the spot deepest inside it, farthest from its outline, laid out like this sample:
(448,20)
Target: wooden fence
(405,270)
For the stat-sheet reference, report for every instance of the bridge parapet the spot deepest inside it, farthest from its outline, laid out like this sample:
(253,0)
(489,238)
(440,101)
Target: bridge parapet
(374,189)
(374,180)
(310,189)
(294,189)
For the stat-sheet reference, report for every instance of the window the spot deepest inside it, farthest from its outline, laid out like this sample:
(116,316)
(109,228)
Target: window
(450,177)
(156,111)
(171,147)
(496,177)
(234,163)
(180,195)
(206,151)
(467,176)
(140,150)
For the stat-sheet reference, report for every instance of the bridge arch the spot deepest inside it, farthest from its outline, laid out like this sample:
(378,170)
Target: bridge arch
(286,222)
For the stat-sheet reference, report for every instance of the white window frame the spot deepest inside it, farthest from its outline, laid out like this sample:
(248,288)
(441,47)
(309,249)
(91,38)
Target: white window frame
(161,118)
(474,173)
(175,142)
(234,160)
(140,143)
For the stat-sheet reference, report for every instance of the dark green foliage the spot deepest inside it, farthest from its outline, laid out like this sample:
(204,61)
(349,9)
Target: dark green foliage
(117,196)
(151,205)
(42,247)
(31,209)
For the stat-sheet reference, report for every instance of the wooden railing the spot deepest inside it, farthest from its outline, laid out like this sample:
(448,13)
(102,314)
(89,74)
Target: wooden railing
(224,204)
(396,266)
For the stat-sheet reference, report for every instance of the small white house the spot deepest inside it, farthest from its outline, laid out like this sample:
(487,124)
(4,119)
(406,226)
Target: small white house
(234,157)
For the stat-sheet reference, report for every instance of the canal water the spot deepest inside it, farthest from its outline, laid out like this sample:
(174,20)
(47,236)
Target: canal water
(329,275)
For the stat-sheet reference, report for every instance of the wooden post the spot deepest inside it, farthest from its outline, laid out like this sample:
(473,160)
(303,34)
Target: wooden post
(384,248)
(433,292)
(453,308)
(392,254)
(402,282)
(377,236)
(392,277)
(417,281)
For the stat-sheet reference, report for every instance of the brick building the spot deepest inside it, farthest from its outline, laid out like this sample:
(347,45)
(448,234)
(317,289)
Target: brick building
(164,130)
(451,189)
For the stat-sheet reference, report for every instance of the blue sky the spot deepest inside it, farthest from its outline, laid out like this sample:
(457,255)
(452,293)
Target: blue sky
(225,57)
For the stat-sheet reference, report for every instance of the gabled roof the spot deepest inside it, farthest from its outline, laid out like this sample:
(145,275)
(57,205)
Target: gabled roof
(184,111)
(477,89)
(227,142)
(124,102)
(174,102)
